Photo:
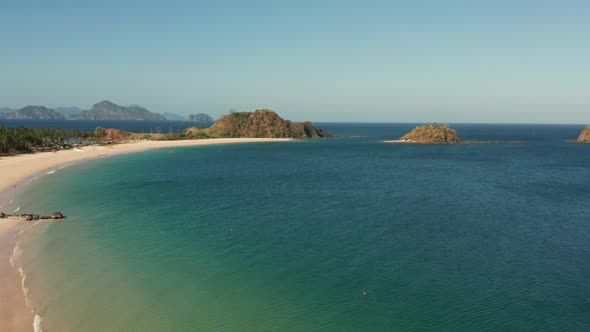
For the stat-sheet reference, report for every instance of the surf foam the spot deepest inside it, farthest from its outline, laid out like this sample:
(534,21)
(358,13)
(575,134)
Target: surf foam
(37,323)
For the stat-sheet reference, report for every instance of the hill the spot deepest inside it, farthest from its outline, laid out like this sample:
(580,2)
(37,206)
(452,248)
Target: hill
(431,134)
(261,123)
(585,135)
(173,116)
(200,117)
(33,112)
(106,110)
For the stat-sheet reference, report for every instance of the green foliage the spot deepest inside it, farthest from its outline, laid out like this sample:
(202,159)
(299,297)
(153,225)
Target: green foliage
(263,123)
(432,134)
(21,139)
(24,140)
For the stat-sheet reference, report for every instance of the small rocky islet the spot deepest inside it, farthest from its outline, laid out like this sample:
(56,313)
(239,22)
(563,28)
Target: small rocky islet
(584,136)
(430,134)
(440,134)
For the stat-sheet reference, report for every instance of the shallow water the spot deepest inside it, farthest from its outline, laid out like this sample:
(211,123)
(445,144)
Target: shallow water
(288,236)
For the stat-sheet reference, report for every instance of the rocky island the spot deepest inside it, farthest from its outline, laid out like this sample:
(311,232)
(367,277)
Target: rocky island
(261,123)
(430,134)
(584,136)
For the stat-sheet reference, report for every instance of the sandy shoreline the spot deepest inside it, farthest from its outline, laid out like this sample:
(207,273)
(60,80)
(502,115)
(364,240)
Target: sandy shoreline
(14,315)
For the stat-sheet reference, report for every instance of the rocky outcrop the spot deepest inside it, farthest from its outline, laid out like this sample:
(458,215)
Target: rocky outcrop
(116,134)
(585,135)
(431,134)
(57,215)
(31,216)
(263,123)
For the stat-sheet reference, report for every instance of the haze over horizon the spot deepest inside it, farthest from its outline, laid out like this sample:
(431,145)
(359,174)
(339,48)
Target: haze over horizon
(370,61)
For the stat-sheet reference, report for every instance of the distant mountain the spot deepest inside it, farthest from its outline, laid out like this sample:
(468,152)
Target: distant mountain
(68,112)
(173,116)
(106,110)
(33,112)
(200,117)
(6,110)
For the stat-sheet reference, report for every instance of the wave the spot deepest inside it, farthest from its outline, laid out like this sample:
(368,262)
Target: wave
(51,172)
(33,179)
(17,252)
(17,209)
(15,260)
(23,279)
(37,323)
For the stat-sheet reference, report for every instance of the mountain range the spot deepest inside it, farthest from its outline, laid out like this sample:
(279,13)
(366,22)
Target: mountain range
(32,112)
(104,110)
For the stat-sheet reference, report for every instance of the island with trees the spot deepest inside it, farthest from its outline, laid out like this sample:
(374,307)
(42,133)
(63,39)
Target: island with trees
(430,134)
(440,134)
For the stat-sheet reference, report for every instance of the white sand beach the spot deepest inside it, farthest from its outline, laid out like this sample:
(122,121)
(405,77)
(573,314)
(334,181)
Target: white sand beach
(14,315)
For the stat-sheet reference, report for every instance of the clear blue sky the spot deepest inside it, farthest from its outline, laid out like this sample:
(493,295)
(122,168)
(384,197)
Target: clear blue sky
(392,61)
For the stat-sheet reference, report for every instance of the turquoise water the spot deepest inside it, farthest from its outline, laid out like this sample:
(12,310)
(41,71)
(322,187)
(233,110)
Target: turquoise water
(288,236)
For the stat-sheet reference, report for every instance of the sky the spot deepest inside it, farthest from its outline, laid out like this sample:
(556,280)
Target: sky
(344,61)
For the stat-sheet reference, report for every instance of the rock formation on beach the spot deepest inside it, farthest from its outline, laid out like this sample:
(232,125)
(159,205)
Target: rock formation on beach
(263,123)
(30,216)
(431,134)
(585,135)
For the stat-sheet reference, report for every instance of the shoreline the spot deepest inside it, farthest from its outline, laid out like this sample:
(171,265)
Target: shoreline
(14,314)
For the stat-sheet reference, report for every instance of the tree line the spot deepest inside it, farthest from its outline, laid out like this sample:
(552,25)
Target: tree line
(24,140)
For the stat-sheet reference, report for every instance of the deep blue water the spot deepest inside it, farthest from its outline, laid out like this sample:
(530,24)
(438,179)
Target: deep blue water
(90,125)
(288,236)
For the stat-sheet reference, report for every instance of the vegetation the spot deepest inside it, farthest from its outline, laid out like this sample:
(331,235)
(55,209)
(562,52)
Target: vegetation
(23,140)
(585,135)
(262,123)
(432,134)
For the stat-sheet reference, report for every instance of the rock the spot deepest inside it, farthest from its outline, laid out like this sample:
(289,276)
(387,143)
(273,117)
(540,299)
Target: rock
(263,123)
(2,215)
(585,135)
(44,217)
(431,134)
(57,215)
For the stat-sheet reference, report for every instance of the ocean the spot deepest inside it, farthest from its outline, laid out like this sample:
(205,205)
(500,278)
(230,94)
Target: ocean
(346,234)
